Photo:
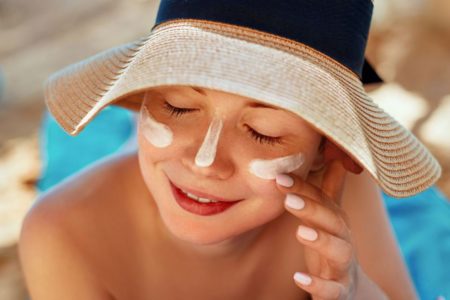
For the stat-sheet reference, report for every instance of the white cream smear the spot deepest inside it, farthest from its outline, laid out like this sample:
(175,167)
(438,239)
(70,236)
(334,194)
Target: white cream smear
(268,169)
(158,134)
(207,152)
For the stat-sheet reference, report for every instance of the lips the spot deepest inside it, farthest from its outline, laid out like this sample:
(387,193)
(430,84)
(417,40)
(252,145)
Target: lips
(204,195)
(199,208)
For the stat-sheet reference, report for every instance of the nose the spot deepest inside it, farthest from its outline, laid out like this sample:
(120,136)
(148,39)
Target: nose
(207,152)
(207,162)
(220,169)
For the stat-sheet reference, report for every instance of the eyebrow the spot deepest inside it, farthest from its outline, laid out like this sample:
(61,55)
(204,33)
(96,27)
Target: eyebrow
(251,104)
(198,90)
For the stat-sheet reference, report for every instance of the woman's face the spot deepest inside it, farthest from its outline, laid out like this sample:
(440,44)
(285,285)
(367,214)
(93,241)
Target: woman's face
(224,145)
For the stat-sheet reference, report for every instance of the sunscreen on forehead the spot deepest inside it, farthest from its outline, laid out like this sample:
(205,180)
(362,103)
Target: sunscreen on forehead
(268,169)
(207,152)
(158,134)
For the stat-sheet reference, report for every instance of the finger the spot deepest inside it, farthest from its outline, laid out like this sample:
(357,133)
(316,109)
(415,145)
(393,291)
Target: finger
(333,181)
(337,252)
(319,287)
(318,214)
(297,186)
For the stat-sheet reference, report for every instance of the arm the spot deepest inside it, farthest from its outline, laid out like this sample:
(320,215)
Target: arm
(53,267)
(377,250)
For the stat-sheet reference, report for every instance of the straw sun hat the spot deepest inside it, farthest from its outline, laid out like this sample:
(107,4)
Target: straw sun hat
(301,55)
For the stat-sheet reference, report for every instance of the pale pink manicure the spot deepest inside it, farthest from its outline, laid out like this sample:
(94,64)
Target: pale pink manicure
(302,278)
(307,233)
(284,180)
(294,202)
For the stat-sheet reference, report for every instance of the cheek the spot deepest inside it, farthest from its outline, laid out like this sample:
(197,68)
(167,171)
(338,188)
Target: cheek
(157,161)
(298,164)
(268,192)
(158,134)
(262,184)
(269,168)
(152,142)
(266,202)
(156,139)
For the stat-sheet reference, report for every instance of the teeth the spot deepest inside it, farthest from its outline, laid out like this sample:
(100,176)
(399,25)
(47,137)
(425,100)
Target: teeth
(199,199)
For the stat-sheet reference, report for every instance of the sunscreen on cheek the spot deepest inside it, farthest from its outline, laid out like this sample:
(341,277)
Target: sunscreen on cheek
(268,169)
(157,134)
(207,152)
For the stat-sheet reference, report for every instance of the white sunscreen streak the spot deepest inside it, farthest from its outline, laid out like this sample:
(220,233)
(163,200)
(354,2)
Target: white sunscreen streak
(207,152)
(268,169)
(158,134)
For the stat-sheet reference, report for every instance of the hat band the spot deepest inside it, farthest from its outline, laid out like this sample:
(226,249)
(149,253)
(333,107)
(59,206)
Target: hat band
(335,27)
(267,40)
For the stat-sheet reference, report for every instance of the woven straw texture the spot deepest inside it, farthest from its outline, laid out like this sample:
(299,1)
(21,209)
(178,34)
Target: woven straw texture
(254,64)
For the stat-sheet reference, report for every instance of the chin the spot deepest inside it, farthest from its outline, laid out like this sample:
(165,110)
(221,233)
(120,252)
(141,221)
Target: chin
(217,230)
(198,234)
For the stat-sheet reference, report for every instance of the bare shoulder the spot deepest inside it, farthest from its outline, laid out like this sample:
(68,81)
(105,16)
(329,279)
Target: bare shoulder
(92,184)
(376,245)
(91,193)
(61,227)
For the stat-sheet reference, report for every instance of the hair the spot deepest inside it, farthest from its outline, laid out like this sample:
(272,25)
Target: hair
(320,150)
(322,144)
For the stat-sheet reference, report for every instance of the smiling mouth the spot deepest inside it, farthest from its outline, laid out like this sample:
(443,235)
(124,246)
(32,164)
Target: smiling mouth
(202,195)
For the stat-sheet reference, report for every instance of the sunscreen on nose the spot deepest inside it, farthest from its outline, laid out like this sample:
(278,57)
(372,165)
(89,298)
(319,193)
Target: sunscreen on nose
(268,169)
(207,152)
(158,134)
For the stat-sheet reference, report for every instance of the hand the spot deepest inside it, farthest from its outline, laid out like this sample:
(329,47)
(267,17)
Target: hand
(329,252)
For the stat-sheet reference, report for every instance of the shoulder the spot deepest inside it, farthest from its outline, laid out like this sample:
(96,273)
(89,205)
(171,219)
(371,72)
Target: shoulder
(100,182)
(377,250)
(53,267)
(57,228)
(88,196)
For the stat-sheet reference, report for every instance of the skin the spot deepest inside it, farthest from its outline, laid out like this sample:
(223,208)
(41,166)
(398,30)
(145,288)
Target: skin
(334,272)
(116,223)
(270,168)
(228,177)
(207,152)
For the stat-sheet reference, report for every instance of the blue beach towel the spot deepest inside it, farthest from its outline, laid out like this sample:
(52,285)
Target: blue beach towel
(421,223)
(62,155)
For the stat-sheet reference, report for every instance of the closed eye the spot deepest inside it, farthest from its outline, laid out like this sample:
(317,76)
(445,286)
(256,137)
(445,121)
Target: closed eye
(263,139)
(260,138)
(176,110)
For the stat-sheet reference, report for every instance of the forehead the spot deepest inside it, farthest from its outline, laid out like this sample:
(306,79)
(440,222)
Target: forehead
(260,110)
(207,92)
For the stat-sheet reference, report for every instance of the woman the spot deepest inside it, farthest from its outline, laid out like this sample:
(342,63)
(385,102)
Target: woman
(125,228)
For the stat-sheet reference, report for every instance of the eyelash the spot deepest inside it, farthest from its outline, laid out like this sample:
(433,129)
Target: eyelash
(263,139)
(260,138)
(175,110)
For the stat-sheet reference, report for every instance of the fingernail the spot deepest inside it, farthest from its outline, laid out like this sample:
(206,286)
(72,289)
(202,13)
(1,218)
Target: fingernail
(302,278)
(294,201)
(307,233)
(284,180)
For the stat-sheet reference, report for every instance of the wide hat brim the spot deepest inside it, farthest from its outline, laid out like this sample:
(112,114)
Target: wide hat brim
(254,64)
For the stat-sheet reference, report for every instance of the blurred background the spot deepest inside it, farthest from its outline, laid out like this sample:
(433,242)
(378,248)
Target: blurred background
(409,46)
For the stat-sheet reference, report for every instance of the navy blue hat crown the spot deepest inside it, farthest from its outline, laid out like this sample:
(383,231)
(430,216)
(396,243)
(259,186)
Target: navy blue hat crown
(337,28)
